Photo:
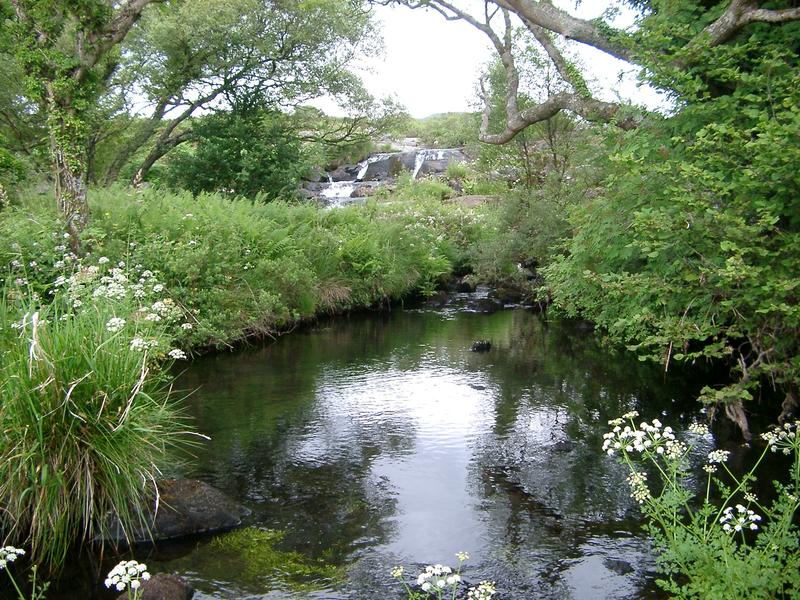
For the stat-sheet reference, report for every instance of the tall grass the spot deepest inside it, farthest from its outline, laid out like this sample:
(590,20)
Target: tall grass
(85,425)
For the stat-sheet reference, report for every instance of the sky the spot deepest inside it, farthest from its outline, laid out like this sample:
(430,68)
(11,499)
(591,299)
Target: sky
(431,65)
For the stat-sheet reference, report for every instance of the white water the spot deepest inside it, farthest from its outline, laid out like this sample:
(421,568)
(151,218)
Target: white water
(338,189)
(422,156)
(364,165)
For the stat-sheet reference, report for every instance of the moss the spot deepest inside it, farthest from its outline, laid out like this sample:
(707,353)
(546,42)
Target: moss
(259,558)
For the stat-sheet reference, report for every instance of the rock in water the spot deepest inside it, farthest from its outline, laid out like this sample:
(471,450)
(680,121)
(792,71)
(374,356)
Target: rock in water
(481,346)
(163,587)
(186,507)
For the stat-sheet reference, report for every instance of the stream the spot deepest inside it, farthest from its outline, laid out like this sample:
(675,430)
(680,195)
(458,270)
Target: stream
(381,439)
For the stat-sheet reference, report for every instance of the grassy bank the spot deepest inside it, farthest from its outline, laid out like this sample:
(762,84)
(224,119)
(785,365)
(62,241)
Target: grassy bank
(85,340)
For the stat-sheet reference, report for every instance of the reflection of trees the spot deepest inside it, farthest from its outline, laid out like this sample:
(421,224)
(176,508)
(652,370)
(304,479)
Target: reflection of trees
(544,484)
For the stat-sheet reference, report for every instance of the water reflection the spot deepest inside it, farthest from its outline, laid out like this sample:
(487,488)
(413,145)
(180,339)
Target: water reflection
(374,441)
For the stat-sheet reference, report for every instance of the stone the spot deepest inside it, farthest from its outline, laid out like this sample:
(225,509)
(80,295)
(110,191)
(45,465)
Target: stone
(186,507)
(465,286)
(481,346)
(485,305)
(163,586)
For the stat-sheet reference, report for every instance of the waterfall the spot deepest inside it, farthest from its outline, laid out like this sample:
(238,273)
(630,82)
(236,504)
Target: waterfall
(422,156)
(364,165)
(338,189)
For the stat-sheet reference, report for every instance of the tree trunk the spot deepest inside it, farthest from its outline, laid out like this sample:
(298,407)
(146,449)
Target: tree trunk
(141,137)
(70,188)
(164,145)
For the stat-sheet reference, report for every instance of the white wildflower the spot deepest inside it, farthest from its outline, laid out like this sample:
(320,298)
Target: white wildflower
(718,456)
(115,324)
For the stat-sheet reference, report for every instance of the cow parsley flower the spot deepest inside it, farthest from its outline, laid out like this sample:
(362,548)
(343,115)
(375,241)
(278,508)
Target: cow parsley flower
(742,518)
(115,324)
(128,574)
(177,354)
(483,591)
(718,456)
(9,554)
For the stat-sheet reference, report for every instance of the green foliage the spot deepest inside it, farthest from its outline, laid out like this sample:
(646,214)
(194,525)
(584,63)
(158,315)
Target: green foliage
(423,189)
(691,249)
(724,542)
(245,268)
(457,170)
(241,154)
(446,130)
(86,425)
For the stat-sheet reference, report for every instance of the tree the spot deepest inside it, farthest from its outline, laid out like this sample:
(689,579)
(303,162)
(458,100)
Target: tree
(703,26)
(68,49)
(192,58)
(241,153)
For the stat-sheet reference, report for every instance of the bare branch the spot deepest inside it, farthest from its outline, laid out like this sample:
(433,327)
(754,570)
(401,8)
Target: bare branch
(590,109)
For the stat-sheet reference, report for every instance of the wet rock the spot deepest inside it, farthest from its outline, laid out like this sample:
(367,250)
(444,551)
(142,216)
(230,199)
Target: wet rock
(364,191)
(564,446)
(507,294)
(186,507)
(344,173)
(438,300)
(465,286)
(163,587)
(618,566)
(485,305)
(481,346)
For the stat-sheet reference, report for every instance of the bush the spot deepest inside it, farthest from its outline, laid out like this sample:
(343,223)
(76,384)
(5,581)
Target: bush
(241,154)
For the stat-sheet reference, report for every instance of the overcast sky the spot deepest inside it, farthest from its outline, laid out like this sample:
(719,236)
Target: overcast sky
(431,65)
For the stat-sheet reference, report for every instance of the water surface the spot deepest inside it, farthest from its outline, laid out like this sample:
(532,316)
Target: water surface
(378,440)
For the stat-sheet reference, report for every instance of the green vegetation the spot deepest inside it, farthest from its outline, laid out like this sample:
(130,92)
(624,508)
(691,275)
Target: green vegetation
(241,154)
(258,558)
(85,421)
(728,543)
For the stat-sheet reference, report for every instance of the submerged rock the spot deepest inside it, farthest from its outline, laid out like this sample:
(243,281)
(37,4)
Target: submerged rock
(163,587)
(481,346)
(185,507)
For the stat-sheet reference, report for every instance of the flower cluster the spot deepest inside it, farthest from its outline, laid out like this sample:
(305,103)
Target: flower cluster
(437,577)
(718,456)
(698,428)
(639,490)
(115,324)
(648,438)
(127,573)
(740,519)
(9,554)
(783,439)
(483,591)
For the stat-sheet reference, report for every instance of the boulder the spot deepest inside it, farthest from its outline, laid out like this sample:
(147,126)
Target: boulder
(163,587)
(465,286)
(186,507)
(363,191)
(485,305)
(481,346)
(438,299)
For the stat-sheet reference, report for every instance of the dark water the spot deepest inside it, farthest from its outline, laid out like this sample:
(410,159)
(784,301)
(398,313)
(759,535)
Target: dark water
(373,441)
